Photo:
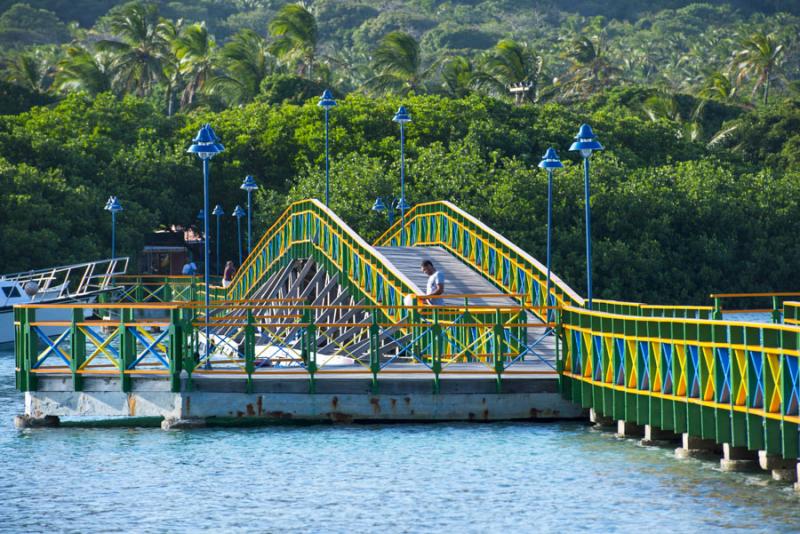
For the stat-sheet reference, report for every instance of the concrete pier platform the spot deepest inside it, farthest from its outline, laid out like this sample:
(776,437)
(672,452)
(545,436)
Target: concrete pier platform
(407,397)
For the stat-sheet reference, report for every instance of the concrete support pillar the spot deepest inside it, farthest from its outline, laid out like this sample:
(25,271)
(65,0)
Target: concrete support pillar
(600,421)
(28,421)
(172,423)
(693,447)
(783,470)
(626,429)
(656,436)
(797,474)
(737,458)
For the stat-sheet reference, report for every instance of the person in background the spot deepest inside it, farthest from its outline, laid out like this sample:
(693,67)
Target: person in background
(228,273)
(435,284)
(189,268)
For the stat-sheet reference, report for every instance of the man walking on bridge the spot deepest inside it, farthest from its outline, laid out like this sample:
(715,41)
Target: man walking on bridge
(435,283)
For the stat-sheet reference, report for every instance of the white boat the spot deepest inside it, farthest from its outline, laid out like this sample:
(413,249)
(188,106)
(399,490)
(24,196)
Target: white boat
(81,282)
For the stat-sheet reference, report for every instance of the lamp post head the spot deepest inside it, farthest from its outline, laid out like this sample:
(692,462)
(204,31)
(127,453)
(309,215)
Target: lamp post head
(113,205)
(206,144)
(238,212)
(218,211)
(249,183)
(201,214)
(326,101)
(550,160)
(402,116)
(402,205)
(585,142)
(379,205)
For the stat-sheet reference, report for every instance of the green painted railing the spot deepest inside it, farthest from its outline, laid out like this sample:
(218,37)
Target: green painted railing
(309,229)
(622,307)
(496,258)
(732,382)
(293,337)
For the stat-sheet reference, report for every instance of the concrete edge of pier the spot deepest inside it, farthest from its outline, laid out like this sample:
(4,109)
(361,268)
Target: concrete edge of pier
(220,401)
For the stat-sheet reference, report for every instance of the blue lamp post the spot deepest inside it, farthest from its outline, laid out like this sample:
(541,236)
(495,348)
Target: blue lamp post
(113,205)
(326,102)
(550,162)
(206,145)
(238,212)
(218,213)
(586,142)
(402,117)
(249,184)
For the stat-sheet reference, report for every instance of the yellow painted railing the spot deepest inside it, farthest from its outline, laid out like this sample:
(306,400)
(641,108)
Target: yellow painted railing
(309,229)
(495,257)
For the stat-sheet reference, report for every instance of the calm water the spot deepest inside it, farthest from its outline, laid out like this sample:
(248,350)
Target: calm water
(415,478)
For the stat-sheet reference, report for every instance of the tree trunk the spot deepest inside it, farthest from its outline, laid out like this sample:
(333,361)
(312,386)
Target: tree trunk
(169,100)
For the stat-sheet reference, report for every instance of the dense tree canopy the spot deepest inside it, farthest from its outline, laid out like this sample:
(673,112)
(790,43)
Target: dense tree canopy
(696,104)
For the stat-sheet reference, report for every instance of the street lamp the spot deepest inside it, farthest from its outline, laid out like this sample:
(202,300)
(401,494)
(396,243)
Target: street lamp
(402,117)
(206,145)
(550,162)
(238,212)
(113,205)
(249,184)
(326,102)
(586,142)
(218,213)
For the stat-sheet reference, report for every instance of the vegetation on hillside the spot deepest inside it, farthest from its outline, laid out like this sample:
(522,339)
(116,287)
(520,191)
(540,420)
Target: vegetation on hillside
(696,105)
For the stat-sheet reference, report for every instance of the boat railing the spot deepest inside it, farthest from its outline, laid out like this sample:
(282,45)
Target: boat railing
(71,281)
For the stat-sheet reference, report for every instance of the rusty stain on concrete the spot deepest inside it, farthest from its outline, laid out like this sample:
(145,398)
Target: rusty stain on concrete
(376,405)
(131,404)
(334,402)
(250,410)
(339,417)
(260,404)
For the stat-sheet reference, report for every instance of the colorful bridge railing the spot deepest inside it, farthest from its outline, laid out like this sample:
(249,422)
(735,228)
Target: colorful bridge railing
(85,346)
(733,382)
(622,307)
(495,257)
(309,229)
(275,337)
(135,288)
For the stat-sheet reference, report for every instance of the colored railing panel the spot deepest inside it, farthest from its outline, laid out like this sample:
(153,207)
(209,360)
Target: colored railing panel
(495,257)
(277,336)
(308,228)
(734,382)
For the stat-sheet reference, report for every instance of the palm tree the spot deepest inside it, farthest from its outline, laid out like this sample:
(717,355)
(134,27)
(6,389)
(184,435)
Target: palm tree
(398,63)
(591,70)
(141,48)
(717,86)
(30,70)
(194,50)
(511,63)
(296,33)
(81,70)
(246,62)
(759,58)
(458,75)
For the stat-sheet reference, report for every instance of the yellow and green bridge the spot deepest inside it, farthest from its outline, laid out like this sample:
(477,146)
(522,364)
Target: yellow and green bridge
(318,323)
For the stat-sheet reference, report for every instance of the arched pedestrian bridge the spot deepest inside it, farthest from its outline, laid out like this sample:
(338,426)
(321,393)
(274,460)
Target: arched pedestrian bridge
(320,323)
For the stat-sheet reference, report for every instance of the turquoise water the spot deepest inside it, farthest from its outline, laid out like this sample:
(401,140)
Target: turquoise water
(397,478)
